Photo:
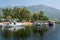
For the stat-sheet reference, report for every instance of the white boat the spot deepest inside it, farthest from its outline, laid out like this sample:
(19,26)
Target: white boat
(13,26)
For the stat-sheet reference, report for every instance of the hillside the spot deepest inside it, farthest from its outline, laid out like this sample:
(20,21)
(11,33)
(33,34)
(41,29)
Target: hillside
(49,11)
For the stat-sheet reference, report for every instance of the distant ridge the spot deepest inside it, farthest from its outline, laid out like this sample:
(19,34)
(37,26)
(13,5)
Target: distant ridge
(49,11)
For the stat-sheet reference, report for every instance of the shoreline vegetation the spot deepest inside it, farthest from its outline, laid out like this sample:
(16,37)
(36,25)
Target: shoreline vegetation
(22,14)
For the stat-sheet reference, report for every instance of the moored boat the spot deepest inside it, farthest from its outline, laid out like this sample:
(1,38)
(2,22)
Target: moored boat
(13,26)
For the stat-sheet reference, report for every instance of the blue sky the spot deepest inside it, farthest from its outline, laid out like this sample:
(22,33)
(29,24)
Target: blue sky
(52,3)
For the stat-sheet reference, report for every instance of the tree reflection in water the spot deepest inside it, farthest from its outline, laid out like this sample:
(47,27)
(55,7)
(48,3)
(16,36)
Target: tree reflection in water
(25,33)
(40,31)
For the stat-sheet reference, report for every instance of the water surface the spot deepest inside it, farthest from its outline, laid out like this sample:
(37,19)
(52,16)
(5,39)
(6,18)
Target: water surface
(50,35)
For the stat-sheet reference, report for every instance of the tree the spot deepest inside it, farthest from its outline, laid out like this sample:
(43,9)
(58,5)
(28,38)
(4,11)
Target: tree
(0,17)
(8,18)
(25,14)
(35,17)
(7,12)
(20,13)
(45,18)
(42,16)
(15,12)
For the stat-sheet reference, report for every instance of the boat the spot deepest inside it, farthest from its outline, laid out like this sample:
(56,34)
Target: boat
(13,26)
(39,25)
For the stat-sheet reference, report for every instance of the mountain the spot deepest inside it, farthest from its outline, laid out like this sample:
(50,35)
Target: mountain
(48,11)
(1,11)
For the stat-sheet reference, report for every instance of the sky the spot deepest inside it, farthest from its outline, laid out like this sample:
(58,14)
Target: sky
(51,3)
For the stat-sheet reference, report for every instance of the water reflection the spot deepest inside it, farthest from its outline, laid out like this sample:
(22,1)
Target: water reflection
(44,34)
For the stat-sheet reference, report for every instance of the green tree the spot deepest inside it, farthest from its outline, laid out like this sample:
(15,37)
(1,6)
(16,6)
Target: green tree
(35,17)
(15,12)
(21,13)
(8,18)
(25,14)
(42,16)
(0,17)
(7,12)
(45,18)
